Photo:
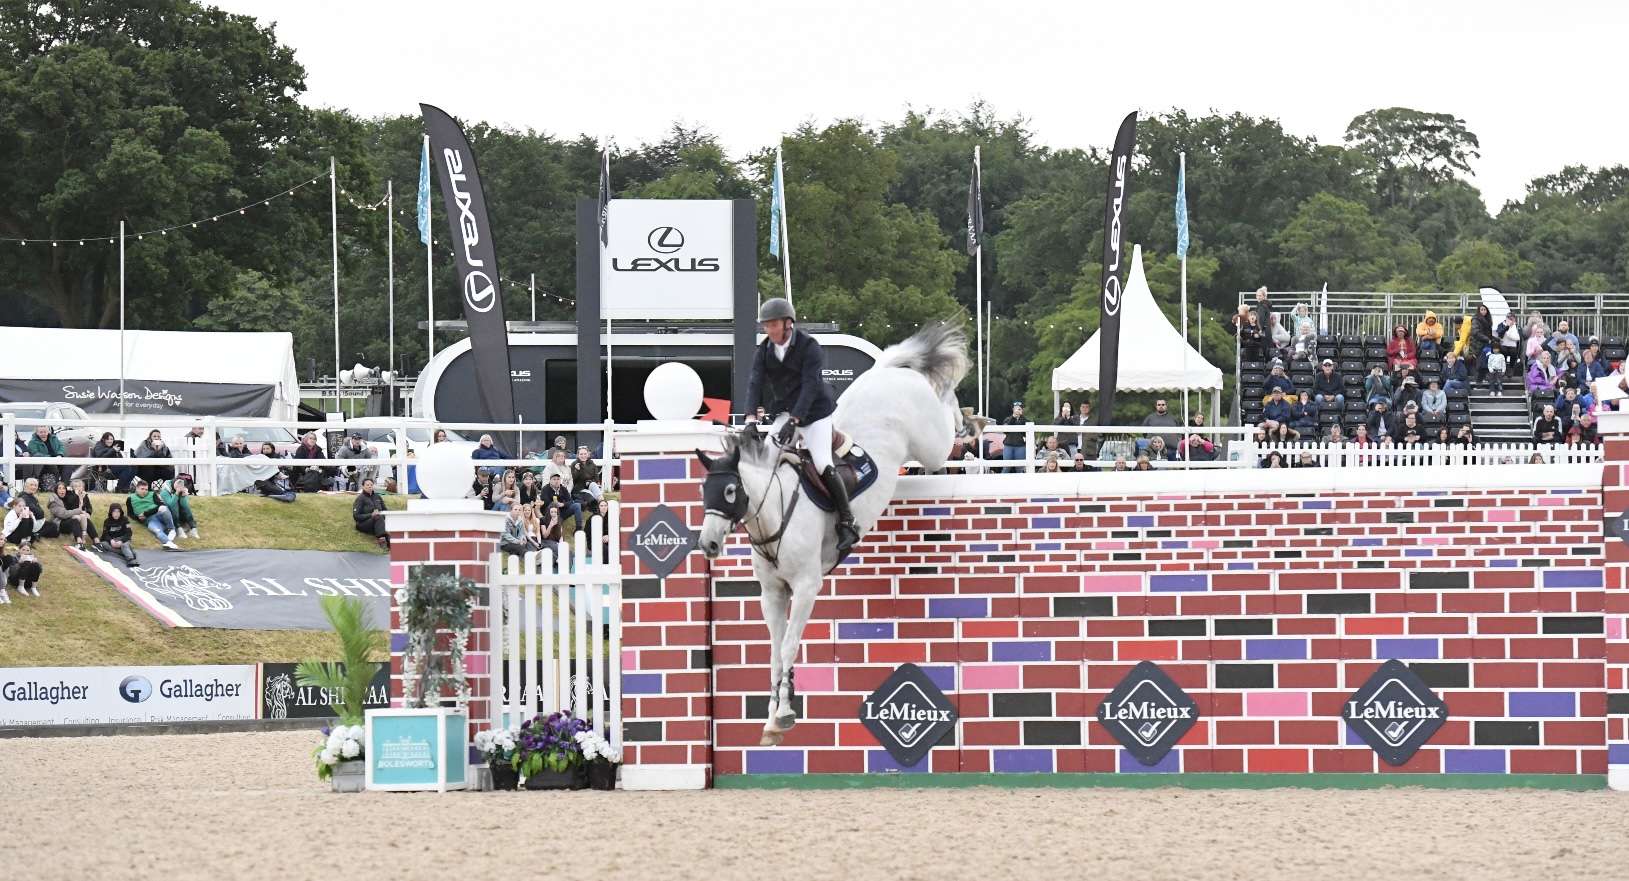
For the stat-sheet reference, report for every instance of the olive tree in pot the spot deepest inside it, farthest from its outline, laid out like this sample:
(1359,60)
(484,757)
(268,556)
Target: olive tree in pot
(340,756)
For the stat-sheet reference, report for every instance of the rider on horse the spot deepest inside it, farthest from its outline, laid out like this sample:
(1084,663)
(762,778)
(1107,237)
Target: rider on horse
(786,377)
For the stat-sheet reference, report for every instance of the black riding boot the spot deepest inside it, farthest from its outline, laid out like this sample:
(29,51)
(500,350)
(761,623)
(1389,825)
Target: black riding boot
(847,534)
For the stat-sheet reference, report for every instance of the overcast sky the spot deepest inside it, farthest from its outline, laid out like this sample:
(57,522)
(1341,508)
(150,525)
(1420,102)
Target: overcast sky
(1538,82)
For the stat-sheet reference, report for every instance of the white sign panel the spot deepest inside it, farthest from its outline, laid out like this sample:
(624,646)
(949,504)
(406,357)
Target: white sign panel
(102,695)
(668,258)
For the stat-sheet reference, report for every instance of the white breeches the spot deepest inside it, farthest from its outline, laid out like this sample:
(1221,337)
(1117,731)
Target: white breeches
(817,438)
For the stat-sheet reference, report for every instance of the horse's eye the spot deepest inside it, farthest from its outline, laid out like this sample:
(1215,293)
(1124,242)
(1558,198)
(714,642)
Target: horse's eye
(729,493)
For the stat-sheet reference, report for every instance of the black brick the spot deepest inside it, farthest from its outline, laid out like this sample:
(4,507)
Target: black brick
(648,589)
(1449,503)
(1021,703)
(1157,533)
(924,570)
(1574,624)
(1127,556)
(1318,530)
(1587,550)
(998,509)
(1244,627)
(1536,563)
(1423,580)
(1125,533)
(999,558)
(651,732)
(1237,543)
(728,589)
(1507,733)
(1339,603)
(1244,675)
(1091,509)
(757,705)
(1051,733)
(1082,607)
(1399,516)
(1176,627)
(1443,675)
(1371,564)
(1617,703)
(1286,555)
(936,536)
(701,659)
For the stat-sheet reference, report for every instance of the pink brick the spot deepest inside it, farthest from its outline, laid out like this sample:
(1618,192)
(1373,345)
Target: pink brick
(1501,515)
(1554,501)
(1276,703)
(990,676)
(1205,543)
(476,662)
(1112,583)
(630,659)
(1614,628)
(817,678)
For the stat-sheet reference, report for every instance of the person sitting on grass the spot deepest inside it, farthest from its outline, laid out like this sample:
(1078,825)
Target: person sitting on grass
(71,519)
(513,540)
(145,508)
(278,486)
(23,570)
(20,523)
(543,530)
(557,499)
(116,535)
(368,514)
(176,496)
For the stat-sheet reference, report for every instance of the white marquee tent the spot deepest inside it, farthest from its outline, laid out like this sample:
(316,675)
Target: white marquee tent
(1151,350)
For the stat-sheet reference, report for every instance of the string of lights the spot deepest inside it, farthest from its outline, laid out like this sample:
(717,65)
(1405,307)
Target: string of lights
(164,230)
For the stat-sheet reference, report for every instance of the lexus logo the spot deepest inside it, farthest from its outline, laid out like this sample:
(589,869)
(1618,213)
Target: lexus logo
(665,239)
(478,291)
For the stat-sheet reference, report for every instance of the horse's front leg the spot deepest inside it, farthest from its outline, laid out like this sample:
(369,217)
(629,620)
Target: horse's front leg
(804,593)
(772,598)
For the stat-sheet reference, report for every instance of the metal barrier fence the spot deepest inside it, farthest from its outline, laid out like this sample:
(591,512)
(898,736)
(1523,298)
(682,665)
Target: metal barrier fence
(1377,312)
(1251,454)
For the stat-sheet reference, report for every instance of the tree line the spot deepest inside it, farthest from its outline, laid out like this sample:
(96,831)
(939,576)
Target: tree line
(164,112)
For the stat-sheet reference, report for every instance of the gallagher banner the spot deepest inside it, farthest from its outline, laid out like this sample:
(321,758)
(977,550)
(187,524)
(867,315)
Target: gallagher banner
(246,589)
(107,695)
(1114,253)
(477,258)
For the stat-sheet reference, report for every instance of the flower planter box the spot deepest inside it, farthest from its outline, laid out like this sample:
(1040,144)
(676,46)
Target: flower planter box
(576,778)
(349,776)
(504,778)
(602,776)
(417,750)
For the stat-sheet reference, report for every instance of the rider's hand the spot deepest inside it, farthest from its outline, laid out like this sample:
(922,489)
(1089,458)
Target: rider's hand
(788,428)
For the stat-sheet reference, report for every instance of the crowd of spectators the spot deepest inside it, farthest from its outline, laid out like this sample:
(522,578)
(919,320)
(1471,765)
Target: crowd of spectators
(540,499)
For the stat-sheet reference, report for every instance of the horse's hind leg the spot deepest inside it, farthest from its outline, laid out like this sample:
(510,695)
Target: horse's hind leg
(804,593)
(773,598)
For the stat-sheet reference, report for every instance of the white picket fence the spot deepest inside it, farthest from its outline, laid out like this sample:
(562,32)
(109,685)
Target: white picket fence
(556,626)
(1247,453)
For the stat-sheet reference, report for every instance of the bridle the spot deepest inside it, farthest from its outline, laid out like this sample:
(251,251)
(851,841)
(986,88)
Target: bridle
(737,513)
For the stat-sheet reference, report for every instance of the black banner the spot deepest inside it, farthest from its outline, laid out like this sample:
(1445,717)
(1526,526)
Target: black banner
(477,262)
(283,697)
(146,397)
(1108,371)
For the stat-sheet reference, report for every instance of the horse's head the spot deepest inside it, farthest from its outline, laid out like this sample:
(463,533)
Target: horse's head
(722,492)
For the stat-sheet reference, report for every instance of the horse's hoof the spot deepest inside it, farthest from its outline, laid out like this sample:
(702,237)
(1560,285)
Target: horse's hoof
(770,738)
(786,722)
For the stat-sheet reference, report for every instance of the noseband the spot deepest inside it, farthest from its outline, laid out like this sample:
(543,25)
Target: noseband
(730,503)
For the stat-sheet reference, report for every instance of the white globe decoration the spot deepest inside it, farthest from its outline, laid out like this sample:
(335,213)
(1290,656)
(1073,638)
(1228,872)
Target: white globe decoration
(673,392)
(444,470)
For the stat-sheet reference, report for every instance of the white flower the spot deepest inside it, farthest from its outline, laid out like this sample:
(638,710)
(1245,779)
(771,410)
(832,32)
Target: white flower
(483,740)
(358,733)
(350,749)
(336,738)
(614,756)
(329,757)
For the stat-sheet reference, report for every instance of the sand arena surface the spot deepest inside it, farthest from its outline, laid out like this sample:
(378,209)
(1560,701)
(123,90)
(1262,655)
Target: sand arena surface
(246,806)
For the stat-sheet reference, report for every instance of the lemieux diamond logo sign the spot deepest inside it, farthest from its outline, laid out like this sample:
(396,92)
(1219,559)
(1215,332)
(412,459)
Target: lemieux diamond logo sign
(1148,713)
(662,540)
(908,714)
(1395,712)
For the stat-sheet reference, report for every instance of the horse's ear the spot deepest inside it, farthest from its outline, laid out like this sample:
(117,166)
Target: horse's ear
(702,458)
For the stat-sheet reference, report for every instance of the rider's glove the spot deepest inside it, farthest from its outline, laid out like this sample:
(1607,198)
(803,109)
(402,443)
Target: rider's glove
(788,428)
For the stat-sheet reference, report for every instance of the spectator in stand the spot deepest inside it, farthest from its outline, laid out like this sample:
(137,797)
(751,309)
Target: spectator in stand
(1400,350)
(1442,438)
(1496,362)
(482,489)
(1583,431)
(368,513)
(1120,464)
(486,451)
(1275,459)
(557,465)
(1541,376)
(238,448)
(1247,327)
(506,491)
(1507,337)
(584,470)
(1482,339)
(1535,344)
(1304,415)
(1455,375)
(1050,448)
(1327,388)
(177,497)
(71,514)
(154,448)
(559,444)
(1465,437)
(23,570)
(1568,400)
(1434,399)
(107,447)
(1376,387)
(1066,416)
(116,535)
(1379,423)
(1462,336)
(1196,447)
(513,540)
(1276,417)
(269,450)
(1592,367)
(1335,437)
(1279,336)
(1547,427)
(1080,462)
(1428,335)
(543,530)
(527,495)
(1409,393)
(440,436)
(1277,380)
(557,501)
(1162,418)
(1562,332)
(1360,435)
(44,443)
(1143,464)
(145,508)
(1012,443)
(277,487)
(355,449)
(1410,433)
(1305,346)
(309,450)
(1051,466)
(1157,451)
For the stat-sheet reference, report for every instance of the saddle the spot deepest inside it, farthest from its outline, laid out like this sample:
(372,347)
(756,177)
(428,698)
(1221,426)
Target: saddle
(854,466)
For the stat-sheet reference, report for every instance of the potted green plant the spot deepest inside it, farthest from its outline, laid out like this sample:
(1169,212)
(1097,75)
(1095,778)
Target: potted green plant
(603,760)
(435,599)
(548,755)
(340,757)
(498,748)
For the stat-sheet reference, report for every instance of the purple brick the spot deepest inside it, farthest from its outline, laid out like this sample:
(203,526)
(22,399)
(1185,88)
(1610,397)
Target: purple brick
(1049,546)
(1503,564)
(1574,578)
(936,512)
(1431,492)
(1352,737)
(1174,543)
(1137,520)
(944,677)
(1407,648)
(741,551)
(984,548)
(865,630)
(1473,761)
(1045,522)
(1019,761)
(1168,583)
(1617,754)
(957,607)
(1021,651)
(1367,542)
(1275,649)
(1543,703)
(398,642)
(664,469)
(1170,764)
(1418,552)
(1317,505)
(1231,567)
(774,761)
(641,683)
(878,761)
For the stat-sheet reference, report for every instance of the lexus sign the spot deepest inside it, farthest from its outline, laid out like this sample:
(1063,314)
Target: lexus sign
(668,258)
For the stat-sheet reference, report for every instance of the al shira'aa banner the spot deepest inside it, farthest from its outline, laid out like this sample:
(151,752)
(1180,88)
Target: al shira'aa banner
(477,259)
(1114,253)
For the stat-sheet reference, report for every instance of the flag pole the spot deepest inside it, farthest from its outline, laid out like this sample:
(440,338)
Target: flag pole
(429,278)
(333,221)
(534,296)
(610,344)
(989,347)
(786,245)
(390,283)
(1182,172)
(978,291)
(121,321)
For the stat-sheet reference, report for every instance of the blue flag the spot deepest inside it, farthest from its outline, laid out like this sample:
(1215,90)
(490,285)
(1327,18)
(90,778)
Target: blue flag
(424,193)
(1181,215)
(777,201)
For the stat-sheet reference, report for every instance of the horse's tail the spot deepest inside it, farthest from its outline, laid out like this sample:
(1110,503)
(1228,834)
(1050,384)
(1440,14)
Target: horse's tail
(938,351)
